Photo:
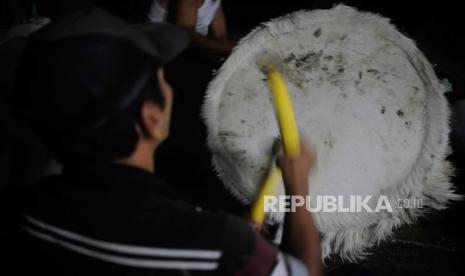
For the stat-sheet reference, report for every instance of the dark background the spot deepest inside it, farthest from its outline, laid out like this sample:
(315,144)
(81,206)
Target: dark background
(434,246)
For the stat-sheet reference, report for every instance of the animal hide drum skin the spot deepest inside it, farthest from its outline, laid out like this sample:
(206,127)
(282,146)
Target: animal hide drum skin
(367,100)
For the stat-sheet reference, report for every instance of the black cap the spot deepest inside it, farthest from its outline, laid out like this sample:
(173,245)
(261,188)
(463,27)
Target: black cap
(82,70)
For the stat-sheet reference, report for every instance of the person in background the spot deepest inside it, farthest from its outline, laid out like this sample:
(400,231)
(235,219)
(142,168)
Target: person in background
(204,19)
(190,74)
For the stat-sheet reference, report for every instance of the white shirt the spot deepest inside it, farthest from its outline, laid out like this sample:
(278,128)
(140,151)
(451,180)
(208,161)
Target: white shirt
(205,14)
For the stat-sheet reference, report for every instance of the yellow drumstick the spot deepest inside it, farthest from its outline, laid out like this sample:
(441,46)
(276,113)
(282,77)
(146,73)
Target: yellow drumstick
(289,134)
(269,187)
(285,114)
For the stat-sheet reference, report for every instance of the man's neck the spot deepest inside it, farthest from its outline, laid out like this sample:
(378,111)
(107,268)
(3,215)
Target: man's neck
(142,158)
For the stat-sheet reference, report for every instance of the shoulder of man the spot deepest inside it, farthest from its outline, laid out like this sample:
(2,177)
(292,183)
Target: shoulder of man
(240,250)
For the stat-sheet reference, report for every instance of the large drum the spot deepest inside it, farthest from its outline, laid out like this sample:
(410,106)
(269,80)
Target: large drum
(367,100)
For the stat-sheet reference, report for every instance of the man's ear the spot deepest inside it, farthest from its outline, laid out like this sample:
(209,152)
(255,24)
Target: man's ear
(152,119)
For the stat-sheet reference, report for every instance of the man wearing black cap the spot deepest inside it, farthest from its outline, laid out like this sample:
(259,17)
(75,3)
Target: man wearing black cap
(92,87)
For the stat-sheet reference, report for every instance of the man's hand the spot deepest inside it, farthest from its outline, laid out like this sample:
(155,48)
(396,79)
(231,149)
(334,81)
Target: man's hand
(300,236)
(296,170)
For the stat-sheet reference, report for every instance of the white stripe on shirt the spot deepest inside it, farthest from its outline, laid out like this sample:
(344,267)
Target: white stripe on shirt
(128,249)
(127,261)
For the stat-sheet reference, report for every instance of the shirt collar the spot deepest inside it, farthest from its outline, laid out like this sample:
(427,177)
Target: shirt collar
(121,177)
